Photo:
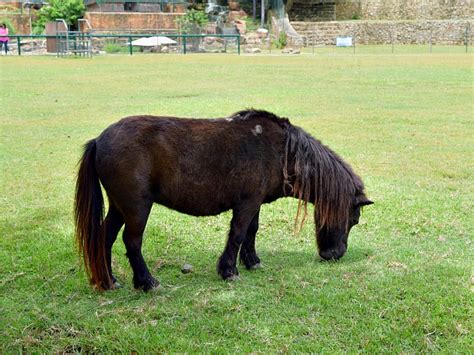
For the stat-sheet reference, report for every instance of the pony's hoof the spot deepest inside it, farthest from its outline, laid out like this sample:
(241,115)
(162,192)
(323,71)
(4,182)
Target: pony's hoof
(156,289)
(152,286)
(116,285)
(147,284)
(233,278)
(256,266)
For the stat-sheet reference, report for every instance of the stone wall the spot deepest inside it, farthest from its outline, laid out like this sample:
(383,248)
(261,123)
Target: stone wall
(348,10)
(120,7)
(384,32)
(132,21)
(311,10)
(405,9)
(116,21)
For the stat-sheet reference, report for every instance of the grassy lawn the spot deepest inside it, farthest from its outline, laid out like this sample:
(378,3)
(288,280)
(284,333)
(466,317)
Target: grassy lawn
(404,122)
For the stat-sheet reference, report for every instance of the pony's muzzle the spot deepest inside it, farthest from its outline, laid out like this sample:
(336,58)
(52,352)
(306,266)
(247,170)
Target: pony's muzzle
(332,254)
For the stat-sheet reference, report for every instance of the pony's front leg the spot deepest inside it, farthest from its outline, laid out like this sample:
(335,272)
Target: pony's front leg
(248,254)
(239,225)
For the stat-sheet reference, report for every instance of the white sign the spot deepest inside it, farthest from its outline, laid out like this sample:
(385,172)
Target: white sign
(344,41)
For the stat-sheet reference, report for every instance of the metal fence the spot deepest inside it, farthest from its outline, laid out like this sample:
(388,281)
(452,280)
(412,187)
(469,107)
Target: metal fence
(386,36)
(85,44)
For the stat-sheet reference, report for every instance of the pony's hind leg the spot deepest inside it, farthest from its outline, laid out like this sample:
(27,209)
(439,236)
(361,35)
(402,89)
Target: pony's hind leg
(135,222)
(248,254)
(113,222)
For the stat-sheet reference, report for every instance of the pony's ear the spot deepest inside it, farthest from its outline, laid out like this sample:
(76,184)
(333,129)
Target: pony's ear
(365,202)
(362,200)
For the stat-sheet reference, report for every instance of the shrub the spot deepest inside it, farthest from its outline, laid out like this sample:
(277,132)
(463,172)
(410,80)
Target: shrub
(9,24)
(192,21)
(68,10)
(281,41)
(111,47)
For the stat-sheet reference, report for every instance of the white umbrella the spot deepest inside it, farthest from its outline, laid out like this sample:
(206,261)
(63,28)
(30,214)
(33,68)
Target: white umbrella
(152,41)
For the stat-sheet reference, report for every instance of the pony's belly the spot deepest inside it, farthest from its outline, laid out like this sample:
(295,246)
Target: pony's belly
(194,208)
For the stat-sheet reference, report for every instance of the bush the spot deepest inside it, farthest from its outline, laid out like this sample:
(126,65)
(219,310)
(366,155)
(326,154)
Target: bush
(251,24)
(68,10)
(281,41)
(192,21)
(111,47)
(8,23)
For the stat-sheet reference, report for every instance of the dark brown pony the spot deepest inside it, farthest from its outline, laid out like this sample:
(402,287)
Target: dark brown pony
(203,167)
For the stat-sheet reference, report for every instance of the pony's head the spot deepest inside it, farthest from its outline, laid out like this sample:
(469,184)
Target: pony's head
(332,239)
(314,173)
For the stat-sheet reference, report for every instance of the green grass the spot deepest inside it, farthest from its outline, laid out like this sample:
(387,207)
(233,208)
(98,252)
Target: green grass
(404,122)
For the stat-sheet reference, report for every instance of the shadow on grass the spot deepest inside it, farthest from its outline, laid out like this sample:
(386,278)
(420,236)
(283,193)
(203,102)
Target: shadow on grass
(311,257)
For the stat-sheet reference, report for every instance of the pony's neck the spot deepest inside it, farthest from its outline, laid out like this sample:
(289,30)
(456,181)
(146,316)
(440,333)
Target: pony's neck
(318,175)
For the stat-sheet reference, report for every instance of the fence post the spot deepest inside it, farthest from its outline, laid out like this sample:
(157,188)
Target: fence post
(130,48)
(184,44)
(18,43)
(269,39)
(467,36)
(391,35)
(431,40)
(238,44)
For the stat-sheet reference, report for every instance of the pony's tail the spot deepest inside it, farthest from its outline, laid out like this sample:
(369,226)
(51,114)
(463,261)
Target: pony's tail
(88,213)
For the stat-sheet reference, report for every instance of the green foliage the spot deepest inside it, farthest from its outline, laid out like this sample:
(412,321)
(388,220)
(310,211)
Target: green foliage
(9,24)
(251,24)
(68,10)
(193,21)
(111,47)
(114,47)
(281,41)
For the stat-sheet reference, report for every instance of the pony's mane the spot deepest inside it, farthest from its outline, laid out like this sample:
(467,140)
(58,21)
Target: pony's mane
(251,113)
(317,168)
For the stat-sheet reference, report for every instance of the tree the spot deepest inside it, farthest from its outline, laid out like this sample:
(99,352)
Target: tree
(193,21)
(68,10)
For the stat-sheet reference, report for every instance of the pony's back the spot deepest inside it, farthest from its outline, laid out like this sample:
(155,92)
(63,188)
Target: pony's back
(182,162)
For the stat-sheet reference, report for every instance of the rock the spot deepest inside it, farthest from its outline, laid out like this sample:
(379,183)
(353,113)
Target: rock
(252,38)
(234,15)
(262,32)
(241,26)
(290,51)
(252,50)
(234,5)
(187,268)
